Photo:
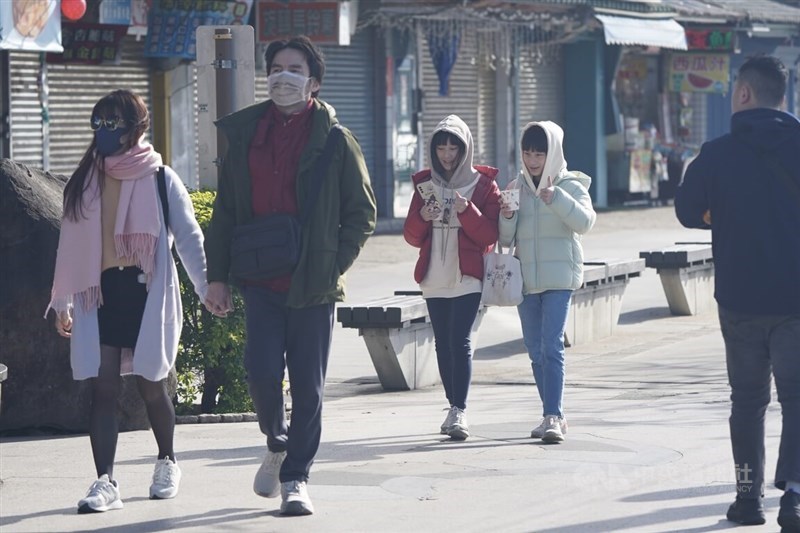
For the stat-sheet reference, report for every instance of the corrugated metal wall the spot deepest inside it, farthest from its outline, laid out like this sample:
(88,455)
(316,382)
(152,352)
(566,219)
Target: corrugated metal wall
(487,118)
(463,98)
(541,87)
(349,86)
(26,110)
(74,89)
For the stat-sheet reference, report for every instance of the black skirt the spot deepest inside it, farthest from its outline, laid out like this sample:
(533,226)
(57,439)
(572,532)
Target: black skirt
(120,317)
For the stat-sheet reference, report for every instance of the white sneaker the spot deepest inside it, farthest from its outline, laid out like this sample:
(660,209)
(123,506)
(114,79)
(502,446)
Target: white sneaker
(295,499)
(538,431)
(448,421)
(166,480)
(103,495)
(552,430)
(267,481)
(460,429)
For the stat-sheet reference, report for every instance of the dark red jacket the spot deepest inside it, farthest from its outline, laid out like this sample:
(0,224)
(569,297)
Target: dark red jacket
(478,231)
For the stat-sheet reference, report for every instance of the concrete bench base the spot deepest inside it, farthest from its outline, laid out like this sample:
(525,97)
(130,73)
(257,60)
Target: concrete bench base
(689,291)
(405,358)
(687,276)
(594,312)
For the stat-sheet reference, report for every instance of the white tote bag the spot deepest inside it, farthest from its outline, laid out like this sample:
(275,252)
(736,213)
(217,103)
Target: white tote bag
(502,278)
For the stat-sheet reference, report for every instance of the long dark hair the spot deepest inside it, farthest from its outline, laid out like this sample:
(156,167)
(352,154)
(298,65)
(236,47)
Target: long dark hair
(134,113)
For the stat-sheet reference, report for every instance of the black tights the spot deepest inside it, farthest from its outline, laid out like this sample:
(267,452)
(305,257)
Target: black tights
(104,425)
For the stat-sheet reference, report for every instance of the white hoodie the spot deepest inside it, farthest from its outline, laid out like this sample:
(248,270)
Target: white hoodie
(444,279)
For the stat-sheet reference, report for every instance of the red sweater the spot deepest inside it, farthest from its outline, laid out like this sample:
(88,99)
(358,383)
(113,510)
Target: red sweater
(477,234)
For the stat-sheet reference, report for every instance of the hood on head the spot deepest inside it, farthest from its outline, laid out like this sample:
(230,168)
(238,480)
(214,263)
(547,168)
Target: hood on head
(464,173)
(555,164)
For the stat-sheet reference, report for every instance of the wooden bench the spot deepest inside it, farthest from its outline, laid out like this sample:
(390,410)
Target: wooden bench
(399,338)
(596,305)
(687,275)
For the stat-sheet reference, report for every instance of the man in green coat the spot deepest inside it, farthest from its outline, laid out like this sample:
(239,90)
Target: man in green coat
(269,168)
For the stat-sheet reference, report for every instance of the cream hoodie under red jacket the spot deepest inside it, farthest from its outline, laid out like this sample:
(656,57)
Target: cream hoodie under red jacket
(475,229)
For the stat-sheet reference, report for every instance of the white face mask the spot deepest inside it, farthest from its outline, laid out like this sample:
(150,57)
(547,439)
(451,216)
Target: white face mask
(287,88)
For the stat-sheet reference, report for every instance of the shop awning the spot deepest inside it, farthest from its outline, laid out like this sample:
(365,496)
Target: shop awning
(663,33)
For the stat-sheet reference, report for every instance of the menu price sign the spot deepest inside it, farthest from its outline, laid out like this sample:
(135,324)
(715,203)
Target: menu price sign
(282,20)
(707,73)
(173,24)
(89,44)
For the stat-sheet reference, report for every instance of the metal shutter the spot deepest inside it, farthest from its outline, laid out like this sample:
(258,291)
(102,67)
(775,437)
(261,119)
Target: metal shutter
(485,145)
(540,87)
(74,89)
(349,86)
(26,110)
(461,99)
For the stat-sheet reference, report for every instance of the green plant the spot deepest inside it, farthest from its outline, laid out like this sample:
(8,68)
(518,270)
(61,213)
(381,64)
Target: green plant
(210,355)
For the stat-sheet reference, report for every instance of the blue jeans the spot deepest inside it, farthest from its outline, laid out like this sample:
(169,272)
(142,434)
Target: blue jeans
(299,340)
(452,319)
(543,317)
(758,349)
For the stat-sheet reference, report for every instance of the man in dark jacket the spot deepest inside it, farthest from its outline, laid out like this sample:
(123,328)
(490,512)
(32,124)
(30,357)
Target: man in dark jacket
(745,187)
(269,168)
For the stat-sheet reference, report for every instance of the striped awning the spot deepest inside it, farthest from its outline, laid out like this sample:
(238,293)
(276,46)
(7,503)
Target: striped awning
(630,31)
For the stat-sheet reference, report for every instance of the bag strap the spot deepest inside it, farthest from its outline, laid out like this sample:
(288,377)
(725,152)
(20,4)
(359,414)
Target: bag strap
(161,178)
(320,171)
(776,167)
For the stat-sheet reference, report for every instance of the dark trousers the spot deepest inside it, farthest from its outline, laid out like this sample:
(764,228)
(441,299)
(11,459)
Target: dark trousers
(452,320)
(757,348)
(281,337)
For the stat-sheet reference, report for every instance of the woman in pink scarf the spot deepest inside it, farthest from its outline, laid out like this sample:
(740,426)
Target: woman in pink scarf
(115,289)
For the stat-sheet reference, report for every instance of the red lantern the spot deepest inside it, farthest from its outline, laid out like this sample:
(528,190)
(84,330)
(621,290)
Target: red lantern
(73,9)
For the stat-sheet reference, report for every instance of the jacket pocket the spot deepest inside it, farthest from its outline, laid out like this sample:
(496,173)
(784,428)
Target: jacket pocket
(323,273)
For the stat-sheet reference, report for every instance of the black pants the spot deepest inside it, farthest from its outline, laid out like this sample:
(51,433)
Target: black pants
(281,337)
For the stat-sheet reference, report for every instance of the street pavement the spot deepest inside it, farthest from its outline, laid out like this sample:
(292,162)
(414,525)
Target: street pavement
(647,448)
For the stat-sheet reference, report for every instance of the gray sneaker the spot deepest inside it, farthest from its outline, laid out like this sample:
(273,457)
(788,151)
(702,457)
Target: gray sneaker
(552,430)
(267,481)
(295,499)
(102,496)
(448,421)
(166,480)
(460,429)
(538,431)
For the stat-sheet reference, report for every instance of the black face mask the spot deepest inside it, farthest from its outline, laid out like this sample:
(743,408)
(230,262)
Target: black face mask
(108,142)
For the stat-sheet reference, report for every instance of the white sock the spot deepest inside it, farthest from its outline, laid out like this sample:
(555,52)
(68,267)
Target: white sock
(794,486)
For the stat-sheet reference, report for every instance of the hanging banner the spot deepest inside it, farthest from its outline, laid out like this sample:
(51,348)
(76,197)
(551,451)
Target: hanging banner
(173,24)
(90,44)
(706,73)
(282,20)
(131,13)
(33,25)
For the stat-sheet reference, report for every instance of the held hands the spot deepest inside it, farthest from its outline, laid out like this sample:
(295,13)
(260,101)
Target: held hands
(548,192)
(218,299)
(64,324)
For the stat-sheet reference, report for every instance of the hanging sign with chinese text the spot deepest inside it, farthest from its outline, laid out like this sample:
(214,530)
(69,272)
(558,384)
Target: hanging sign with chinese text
(173,24)
(705,73)
(90,44)
(281,20)
(710,39)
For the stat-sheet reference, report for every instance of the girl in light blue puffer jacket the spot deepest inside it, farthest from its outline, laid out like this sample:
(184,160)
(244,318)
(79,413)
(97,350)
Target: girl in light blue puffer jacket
(555,209)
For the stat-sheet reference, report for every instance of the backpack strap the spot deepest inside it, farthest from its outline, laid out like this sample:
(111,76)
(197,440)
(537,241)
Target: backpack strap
(161,179)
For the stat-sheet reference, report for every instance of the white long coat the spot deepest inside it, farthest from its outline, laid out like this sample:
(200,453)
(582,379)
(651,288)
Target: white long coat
(157,344)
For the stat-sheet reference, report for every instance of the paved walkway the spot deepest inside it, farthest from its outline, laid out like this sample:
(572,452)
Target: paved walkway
(647,448)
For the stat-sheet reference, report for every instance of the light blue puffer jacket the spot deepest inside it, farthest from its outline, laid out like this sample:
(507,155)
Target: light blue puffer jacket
(548,237)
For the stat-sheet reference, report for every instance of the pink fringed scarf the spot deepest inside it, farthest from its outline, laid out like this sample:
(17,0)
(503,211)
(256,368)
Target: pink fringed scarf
(136,229)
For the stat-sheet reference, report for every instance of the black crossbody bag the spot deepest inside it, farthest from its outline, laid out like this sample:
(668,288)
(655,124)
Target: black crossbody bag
(270,246)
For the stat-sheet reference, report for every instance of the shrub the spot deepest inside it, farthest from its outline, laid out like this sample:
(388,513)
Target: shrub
(210,354)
